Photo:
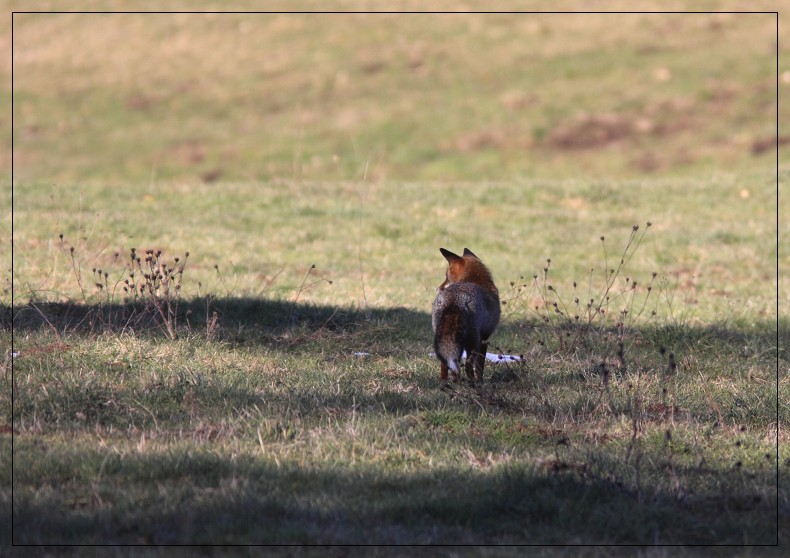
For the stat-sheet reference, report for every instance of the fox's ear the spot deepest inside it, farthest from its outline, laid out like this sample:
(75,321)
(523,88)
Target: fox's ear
(468,252)
(449,256)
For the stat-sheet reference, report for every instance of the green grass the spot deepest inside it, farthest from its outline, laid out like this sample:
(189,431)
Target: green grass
(711,245)
(261,426)
(264,425)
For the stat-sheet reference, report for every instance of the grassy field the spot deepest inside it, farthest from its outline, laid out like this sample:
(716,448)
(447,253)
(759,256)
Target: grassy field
(286,392)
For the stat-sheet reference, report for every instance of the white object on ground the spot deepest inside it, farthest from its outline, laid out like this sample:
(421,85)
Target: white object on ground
(494,357)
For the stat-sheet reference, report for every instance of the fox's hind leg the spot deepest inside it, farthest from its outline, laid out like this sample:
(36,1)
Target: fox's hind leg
(481,359)
(471,358)
(475,363)
(475,360)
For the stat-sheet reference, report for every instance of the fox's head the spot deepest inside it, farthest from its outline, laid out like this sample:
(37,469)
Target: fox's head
(465,268)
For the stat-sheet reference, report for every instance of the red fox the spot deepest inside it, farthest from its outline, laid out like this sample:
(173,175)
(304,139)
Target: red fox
(465,314)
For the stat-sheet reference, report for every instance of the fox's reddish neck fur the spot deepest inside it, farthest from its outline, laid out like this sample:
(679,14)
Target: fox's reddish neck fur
(472,270)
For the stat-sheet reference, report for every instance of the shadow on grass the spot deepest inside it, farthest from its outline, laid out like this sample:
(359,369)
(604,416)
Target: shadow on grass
(199,497)
(269,321)
(239,319)
(333,334)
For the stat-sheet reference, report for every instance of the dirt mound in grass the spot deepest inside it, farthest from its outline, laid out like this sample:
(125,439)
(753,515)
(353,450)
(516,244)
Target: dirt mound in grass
(589,131)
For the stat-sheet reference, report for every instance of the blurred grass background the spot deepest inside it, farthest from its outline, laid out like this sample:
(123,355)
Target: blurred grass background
(132,98)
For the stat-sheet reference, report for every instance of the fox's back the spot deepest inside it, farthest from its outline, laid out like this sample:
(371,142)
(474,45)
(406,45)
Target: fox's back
(468,303)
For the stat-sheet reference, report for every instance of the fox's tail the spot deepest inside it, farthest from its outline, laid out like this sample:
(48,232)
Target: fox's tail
(448,353)
(448,340)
